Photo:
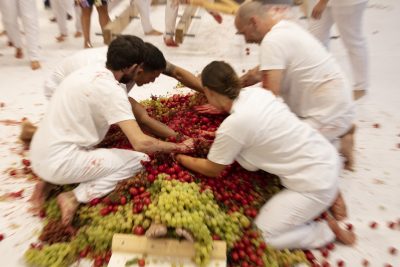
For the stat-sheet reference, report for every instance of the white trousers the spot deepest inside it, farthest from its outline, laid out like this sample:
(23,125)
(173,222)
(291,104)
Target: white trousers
(171,13)
(287,219)
(26,10)
(98,170)
(348,20)
(143,7)
(63,7)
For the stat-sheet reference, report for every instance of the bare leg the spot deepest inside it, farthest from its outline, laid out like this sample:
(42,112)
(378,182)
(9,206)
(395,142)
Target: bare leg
(347,147)
(86,14)
(39,195)
(344,236)
(27,131)
(338,208)
(68,205)
(104,18)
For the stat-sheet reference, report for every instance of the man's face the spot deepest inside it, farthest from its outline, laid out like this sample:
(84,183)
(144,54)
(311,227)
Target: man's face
(248,30)
(129,75)
(145,77)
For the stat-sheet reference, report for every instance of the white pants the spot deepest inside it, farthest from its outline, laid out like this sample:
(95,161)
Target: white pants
(171,13)
(63,7)
(27,11)
(287,219)
(348,20)
(98,171)
(143,7)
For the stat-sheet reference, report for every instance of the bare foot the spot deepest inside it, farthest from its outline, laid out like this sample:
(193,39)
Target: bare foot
(87,45)
(27,131)
(357,94)
(338,209)
(61,38)
(156,230)
(3,33)
(68,205)
(153,32)
(35,65)
(39,195)
(77,34)
(185,234)
(19,53)
(216,16)
(344,236)
(347,148)
(169,41)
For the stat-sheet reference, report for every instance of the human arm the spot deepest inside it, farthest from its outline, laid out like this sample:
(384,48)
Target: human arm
(199,165)
(251,77)
(152,125)
(319,9)
(183,76)
(147,144)
(271,80)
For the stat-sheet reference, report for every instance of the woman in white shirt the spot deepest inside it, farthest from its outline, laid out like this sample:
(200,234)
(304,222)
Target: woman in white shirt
(261,133)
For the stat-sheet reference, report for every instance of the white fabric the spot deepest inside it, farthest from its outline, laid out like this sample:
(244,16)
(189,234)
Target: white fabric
(345,2)
(92,57)
(61,8)
(286,220)
(171,13)
(80,113)
(261,133)
(25,10)
(348,20)
(313,85)
(143,7)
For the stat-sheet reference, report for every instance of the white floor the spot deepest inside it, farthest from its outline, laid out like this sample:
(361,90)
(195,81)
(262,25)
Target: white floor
(372,191)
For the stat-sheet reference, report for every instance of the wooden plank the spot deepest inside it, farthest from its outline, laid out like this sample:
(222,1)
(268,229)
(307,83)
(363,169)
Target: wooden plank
(221,7)
(162,246)
(116,26)
(184,23)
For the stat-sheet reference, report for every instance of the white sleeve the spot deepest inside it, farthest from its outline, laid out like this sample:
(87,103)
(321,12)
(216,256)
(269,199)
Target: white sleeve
(52,82)
(118,108)
(229,141)
(272,56)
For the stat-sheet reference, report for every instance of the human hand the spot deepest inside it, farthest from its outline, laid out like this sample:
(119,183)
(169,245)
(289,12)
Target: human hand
(186,146)
(156,230)
(318,9)
(208,109)
(250,78)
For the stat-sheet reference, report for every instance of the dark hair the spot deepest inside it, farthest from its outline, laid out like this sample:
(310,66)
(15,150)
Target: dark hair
(125,51)
(220,77)
(153,58)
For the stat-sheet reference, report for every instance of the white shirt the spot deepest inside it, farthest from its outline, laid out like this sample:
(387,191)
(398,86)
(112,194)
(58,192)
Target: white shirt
(345,2)
(86,57)
(261,133)
(80,113)
(307,66)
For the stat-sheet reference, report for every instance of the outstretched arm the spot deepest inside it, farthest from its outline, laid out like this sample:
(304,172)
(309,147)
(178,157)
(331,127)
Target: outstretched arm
(251,77)
(152,125)
(271,80)
(184,76)
(199,165)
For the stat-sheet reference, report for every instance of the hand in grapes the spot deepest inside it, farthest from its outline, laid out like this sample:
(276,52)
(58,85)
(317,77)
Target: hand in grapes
(156,230)
(185,234)
(186,146)
(208,109)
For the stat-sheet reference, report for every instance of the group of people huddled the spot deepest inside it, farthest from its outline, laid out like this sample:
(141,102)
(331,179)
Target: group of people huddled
(292,116)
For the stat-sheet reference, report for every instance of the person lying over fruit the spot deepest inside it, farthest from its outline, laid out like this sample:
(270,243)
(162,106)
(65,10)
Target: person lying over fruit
(153,65)
(79,115)
(262,134)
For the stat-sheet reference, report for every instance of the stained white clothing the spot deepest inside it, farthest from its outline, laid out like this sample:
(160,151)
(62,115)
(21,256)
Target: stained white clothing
(349,22)
(261,133)
(26,10)
(313,85)
(286,220)
(143,7)
(92,57)
(63,7)
(79,115)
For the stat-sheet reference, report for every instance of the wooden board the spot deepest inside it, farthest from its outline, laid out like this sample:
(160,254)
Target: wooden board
(126,247)
(116,26)
(184,23)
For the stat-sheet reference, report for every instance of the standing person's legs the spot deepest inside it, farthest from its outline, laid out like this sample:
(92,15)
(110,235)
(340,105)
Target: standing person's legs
(10,20)
(321,28)
(30,20)
(85,19)
(286,220)
(78,22)
(60,13)
(171,13)
(104,18)
(143,7)
(349,23)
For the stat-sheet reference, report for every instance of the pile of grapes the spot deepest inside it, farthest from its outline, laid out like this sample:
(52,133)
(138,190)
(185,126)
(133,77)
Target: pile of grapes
(221,208)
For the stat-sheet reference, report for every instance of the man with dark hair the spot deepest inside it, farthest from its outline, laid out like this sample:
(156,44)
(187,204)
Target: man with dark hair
(80,113)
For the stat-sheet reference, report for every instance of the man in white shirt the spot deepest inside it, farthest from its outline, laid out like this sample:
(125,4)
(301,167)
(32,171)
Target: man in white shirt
(348,17)
(295,66)
(79,115)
